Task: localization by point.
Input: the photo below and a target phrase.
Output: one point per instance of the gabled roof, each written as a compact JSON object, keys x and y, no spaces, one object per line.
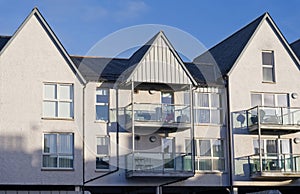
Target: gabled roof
{"x":225,"y":53}
{"x":100,"y":69}
{"x":3,"y":41}
{"x":35,"y":12}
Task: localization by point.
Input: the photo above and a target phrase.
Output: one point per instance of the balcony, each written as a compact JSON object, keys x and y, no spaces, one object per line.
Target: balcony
{"x":274,"y":166}
{"x":273,"y":119}
{"x":159,"y":116}
{"x":146,"y":164}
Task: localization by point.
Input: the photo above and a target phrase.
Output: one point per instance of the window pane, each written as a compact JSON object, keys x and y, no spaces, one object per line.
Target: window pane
{"x":50,"y":91}
{"x":102,"y":112}
{"x":188,"y":146}
{"x":205,"y":148}
{"x":205,"y":164}
{"x":267,"y":58}
{"x":50,"y":161}
{"x":282,"y":100}
{"x":50,"y":143}
{"x":216,"y":100}
{"x":256,"y":100}
{"x":203,"y":116}
{"x":103,"y":145}
{"x":271,"y":146}
{"x":65,"y":143}
{"x":65,"y":92}
{"x":256,"y":146}
{"x":218,"y":149}
{"x":49,"y":109}
{"x":203,"y":100}
{"x":66,"y":161}
{"x":101,"y":99}
{"x":216,"y":116}
{"x":269,"y":100}
{"x":285,"y":146}
{"x":167,"y":98}
{"x":268,"y":74}
{"x":102,"y":162}
{"x":219,"y":164}
{"x":65,"y":109}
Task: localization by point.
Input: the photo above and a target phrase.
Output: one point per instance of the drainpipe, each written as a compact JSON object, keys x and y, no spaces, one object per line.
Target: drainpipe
{"x":117,"y":142}
{"x":230,"y":140}
{"x":83,"y":136}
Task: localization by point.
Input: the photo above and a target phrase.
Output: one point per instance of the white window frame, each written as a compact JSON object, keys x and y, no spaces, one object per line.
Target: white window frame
{"x":107,"y":156}
{"x":210,"y":108}
{"x":57,"y":154}
{"x":57,"y":100}
{"x":101,"y":103}
{"x":198,"y":157}
{"x":268,"y":66}
{"x":275,"y":97}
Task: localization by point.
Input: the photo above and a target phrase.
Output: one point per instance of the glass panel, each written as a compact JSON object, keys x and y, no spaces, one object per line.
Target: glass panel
{"x":256,"y":146}
{"x":102,"y":112}
{"x":205,"y":164}
{"x":65,"y":144}
{"x":65,"y":92}
{"x":268,"y":74}
{"x":50,"y":91}
{"x":272,"y":146}
{"x":66,"y":161}
{"x":267,"y":58}
{"x":65,"y":109}
{"x":203,"y":100}
{"x":256,"y":100}
{"x":203,"y":116}
{"x":269,"y":100}
{"x":218,"y":149}
{"x":102,"y":162}
{"x":219,"y":164}
{"x":285,"y":146}
{"x":167,"y":97}
{"x":216,"y":100}
{"x":205,"y":148}
{"x":216,"y":116}
{"x":49,"y":109}
{"x":102,"y":145}
{"x":50,"y":161}
{"x":282,"y":100}
{"x":50,"y":143}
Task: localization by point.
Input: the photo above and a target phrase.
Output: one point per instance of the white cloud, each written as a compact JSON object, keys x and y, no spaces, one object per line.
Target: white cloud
{"x":130,"y":10}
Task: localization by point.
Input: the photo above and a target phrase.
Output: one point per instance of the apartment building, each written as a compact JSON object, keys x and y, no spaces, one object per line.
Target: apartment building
{"x":226,"y":122}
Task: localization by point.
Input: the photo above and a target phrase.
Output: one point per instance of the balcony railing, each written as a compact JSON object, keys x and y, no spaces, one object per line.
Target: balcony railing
{"x":274,"y":115}
{"x":159,"y":164}
{"x":269,"y":166}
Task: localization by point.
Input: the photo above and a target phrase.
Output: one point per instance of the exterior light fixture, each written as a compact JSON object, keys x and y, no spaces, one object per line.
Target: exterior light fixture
{"x":294,"y":95}
{"x":152,"y":139}
{"x":296,"y":140}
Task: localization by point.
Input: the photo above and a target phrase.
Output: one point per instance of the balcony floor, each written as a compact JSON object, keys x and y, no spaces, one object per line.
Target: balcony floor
{"x":159,"y":125}
{"x":149,"y":173}
{"x":275,"y":175}
{"x":279,"y":129}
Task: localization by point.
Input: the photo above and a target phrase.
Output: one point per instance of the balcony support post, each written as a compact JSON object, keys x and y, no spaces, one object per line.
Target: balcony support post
{"x":259,"y":139}
{"x":192,"y":128}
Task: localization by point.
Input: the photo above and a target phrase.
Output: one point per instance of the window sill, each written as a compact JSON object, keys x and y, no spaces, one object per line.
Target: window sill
{"x":209,"y":124}
{"x":57,"y":118}
{"x":268,"y":82}
{"x":57,"y":169}
{"x":210,"y":172}
{"x":102,"y":170}
{"x":101,"y":121}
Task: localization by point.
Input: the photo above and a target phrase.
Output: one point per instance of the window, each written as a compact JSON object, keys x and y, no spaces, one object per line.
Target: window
{"x":269,"y":99}
{"x":208,"y":108}
{"x":268,"y":66}
{"x":209,"y":154}
{"x":102,"y":100}
{"x":102,"y":159}
{"x":271,"y":147}
{"x":58,"y":100}
{"x":58,"y":150}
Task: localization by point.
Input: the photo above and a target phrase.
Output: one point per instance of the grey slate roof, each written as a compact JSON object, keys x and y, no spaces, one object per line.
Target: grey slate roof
{"x":3,"y":41}
{"x":296,"y":47}
{"x":225,"y":53}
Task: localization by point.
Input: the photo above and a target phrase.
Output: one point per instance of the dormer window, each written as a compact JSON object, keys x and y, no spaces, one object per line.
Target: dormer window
{"x":268,"y":66}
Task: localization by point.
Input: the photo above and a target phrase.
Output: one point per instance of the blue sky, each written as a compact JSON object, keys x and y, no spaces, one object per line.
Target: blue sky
{"x":79,"y":24}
